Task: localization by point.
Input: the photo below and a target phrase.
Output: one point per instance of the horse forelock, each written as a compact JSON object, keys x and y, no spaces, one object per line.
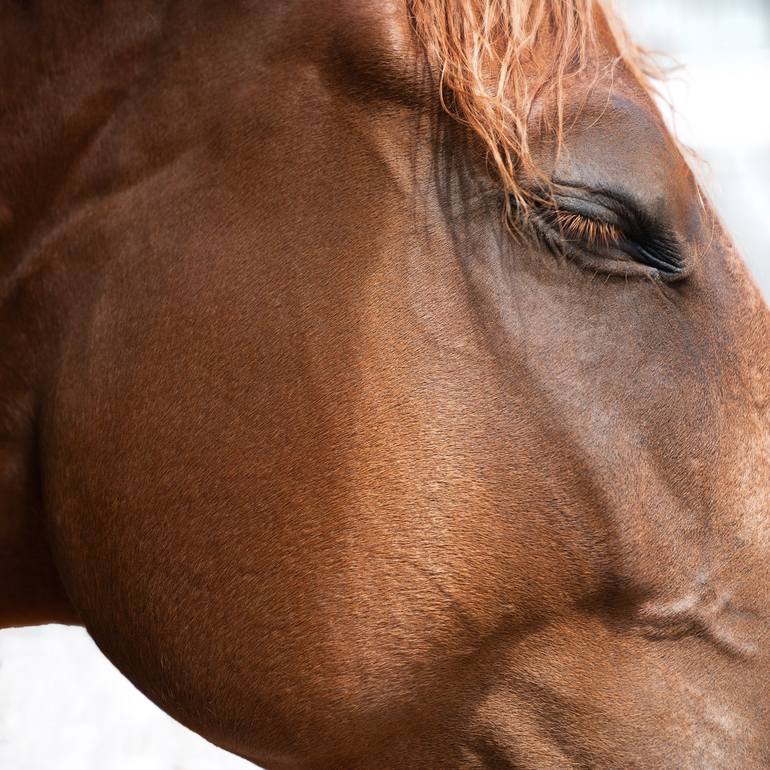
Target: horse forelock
{"x":501,"y":61}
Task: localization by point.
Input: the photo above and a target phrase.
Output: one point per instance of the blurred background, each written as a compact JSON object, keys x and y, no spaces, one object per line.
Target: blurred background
{"x":722,"y":103}
{"x":64,"y":707}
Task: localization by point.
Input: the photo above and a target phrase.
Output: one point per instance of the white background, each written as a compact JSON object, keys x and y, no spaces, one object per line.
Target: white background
{"x":64,"y":707}
{"x":722,"y":103}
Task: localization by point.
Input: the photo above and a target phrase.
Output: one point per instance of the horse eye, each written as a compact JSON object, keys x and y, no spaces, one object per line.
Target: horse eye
{"x":605,"y":230}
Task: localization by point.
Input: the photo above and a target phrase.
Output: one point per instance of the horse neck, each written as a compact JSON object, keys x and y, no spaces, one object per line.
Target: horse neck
{"x":66,"y":66}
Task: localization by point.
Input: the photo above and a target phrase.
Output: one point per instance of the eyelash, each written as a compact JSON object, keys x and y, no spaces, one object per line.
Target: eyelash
{"x":579,"y":228}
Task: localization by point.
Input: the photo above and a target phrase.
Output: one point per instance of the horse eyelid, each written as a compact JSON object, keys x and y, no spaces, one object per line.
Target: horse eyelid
{"x":626,"y":228}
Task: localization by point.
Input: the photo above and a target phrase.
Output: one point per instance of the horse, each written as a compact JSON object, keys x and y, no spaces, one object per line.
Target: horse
{"x":377,"y":386}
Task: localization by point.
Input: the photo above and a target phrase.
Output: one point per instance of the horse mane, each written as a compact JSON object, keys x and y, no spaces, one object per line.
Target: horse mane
{"x":497,"y":58}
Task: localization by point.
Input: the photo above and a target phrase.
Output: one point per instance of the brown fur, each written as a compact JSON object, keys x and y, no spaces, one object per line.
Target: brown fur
{"x":334,"y":469}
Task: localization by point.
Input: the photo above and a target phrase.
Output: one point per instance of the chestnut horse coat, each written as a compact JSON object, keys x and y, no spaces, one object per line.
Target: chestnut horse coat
{"x":338,"y":467}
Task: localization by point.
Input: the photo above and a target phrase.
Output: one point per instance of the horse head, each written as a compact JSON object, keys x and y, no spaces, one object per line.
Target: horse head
{"x":381,"y":384}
